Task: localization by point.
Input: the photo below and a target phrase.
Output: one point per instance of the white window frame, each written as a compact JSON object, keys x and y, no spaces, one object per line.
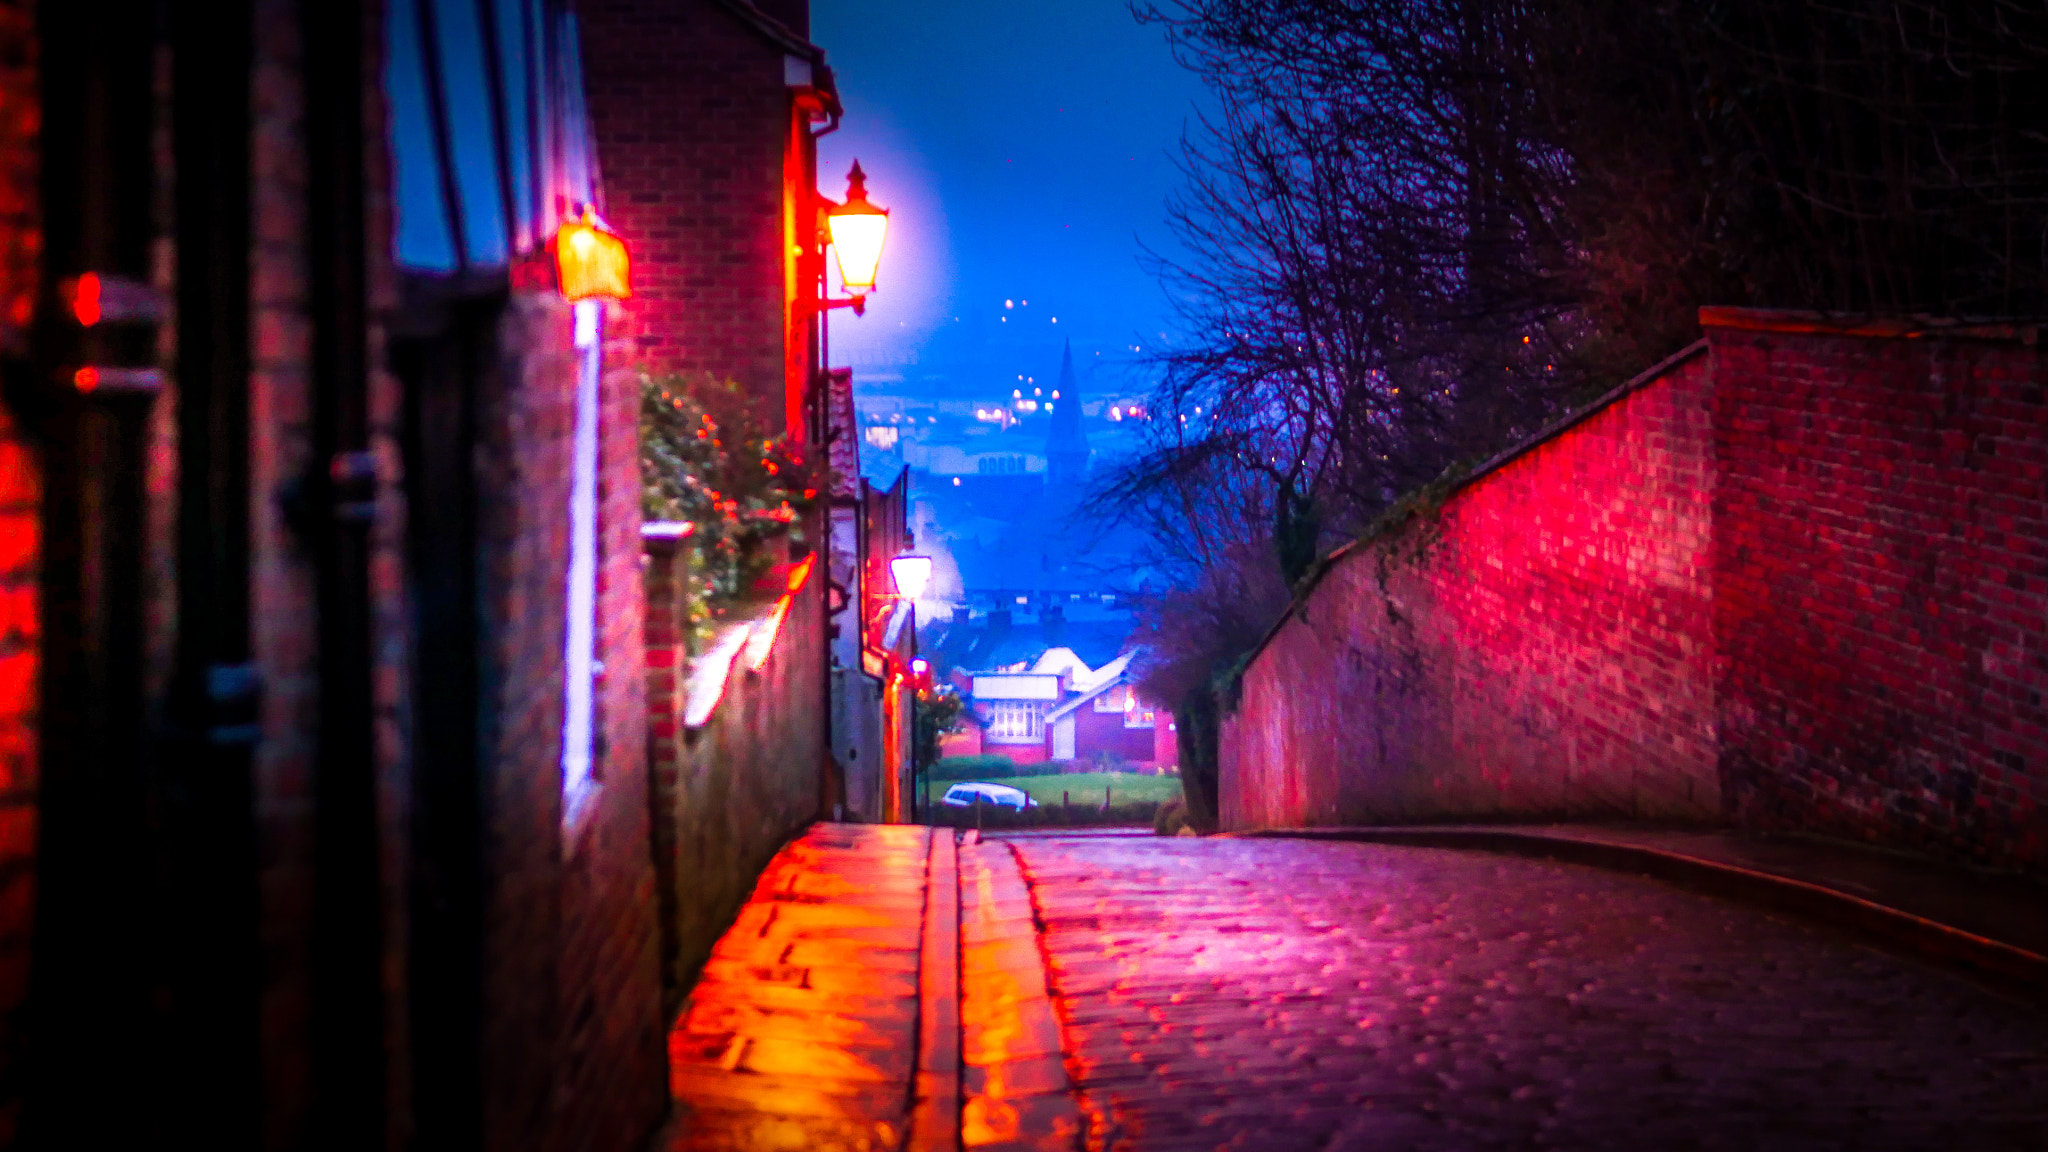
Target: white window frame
{"x":1016,"y":722}
{"x":580,"y":666}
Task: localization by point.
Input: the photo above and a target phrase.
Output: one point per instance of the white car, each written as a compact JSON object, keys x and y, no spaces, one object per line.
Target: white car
{"x":999,"y":795}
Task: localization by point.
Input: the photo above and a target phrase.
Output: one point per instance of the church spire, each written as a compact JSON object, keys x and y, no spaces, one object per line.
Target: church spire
{"x":1066,"y":448}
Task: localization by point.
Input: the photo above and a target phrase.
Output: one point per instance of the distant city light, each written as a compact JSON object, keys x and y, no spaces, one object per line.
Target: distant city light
{"x":1055,"y":393}
{"x":1009,"y":303}
{"x":1023,"y":599}
{"x":1041,"y":392}
{"x":1016,"y":393}
{"x":956,"y":481}
{"x":1055,"y":319}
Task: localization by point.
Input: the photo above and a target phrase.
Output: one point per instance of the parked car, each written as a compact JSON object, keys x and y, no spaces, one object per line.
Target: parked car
{"x":963,"y":796}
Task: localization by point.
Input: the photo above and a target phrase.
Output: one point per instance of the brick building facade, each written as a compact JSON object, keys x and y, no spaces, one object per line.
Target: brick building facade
{"x":704,"y":111}
{"x":1791,"y":578}
{"x":323,"y":792}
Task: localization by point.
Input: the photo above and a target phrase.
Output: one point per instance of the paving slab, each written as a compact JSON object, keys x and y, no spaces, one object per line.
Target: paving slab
{"x":1300,"y":994}
{"x":803,"y":1031}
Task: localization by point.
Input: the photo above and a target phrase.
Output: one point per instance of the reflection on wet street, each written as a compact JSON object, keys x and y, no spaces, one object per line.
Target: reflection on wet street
{"x":802,"y":1031}
{"x":885,"y":989}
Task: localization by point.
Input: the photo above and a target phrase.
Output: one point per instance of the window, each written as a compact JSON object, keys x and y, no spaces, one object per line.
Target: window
{"x":1013,"y":721}
{"x":1138,"y":718}
{"x":579,"y":656}
{"x":1115,"y":700}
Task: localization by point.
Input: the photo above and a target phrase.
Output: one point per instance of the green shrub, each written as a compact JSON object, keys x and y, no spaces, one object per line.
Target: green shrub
{"x":974,"y":768}
{"x":995,"y":817}
{"x":709,"y":456}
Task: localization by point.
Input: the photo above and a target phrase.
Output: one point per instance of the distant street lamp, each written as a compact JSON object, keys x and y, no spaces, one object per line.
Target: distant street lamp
{"x":856,"y":229}
{"x":911,"y":574}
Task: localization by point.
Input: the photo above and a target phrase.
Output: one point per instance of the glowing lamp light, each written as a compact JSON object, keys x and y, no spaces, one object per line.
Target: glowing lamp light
{"x":85,"y":300}
{"x":911,"y":574}
{"x":920,"y":666}
{"x":857,"y":229}
{"x":592,"y":262}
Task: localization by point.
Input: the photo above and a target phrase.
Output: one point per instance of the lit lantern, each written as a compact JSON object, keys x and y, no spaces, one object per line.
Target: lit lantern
{"x":857,"y":228}
{"x":592,"y":262}
{"x":911,"y":574}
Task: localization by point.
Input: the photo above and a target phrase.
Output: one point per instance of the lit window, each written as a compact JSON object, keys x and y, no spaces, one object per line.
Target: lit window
{"x":1015,"y":721}
{"x":1114,"y":700}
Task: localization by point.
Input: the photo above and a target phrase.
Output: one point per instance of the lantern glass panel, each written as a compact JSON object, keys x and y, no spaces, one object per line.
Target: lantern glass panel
{"x":857,"y":242}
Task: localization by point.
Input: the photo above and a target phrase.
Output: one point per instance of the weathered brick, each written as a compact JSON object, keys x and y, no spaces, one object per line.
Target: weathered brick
{"x":1796,"y":582}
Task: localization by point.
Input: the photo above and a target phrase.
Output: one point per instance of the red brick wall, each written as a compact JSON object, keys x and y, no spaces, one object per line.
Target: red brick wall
{"x":20,"y":491}
{"x":691,"y":114}
{"x":1018,"y":753}
{"x":1105,"y":732}
{"x":572,"y":1027}
{"x":1165,"y":741}
{"x":737,"y":787}
{"x":1800,"y":583}
{"x":1540,"y":647}
{"x":20,"y":547}
{"x":1882,"y":562}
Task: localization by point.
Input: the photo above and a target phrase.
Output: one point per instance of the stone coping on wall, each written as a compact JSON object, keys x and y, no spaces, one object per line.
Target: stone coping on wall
{"x":752,"y":638}
{"x":1781,"y":320}
{"x":2004,"y":330}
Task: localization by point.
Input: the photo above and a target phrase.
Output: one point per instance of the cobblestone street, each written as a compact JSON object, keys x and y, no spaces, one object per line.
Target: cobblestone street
{"x":1111,"y":992}
{"x":1295,"y":995}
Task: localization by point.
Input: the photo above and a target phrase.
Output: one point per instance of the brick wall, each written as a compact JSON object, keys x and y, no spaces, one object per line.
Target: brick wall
{"x":1494,"y":658}
{"x":572,"y":1040}
{"x":20,"y":546}
{"x":736,"y":787}
{"x":19,"y":640}
{"x":691,"y":113}
{"x":1882,"y":561}
{"x":1799,"y":582}
{"x":282,"y":583}
{"x":1105,"y":732}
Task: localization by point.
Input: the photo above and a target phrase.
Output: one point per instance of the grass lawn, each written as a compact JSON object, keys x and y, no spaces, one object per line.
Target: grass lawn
{"x":1082,"y":787}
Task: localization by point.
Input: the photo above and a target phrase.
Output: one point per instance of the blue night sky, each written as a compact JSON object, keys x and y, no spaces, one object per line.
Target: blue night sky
{"x":1026,"y":152}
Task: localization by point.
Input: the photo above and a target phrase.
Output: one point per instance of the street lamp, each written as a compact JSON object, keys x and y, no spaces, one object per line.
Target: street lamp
{"x":857,"y":229}
{"x":911,"y":574}
{"x":591,"y":261}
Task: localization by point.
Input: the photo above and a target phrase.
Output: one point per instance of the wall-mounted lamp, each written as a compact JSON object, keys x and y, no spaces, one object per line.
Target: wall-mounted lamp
{"x":911,"y":574}
{"x":592,"y":261}
{"x":857,"y":229}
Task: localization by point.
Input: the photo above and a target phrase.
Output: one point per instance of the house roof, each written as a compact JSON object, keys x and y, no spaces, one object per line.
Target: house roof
{"x":998,"y":641}
{"x":1121,"y":675}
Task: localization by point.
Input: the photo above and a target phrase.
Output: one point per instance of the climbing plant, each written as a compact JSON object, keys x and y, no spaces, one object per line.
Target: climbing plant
{"x":708,"y":457}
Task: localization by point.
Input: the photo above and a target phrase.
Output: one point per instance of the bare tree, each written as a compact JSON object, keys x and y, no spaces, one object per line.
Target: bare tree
{"x":1418,"y":228}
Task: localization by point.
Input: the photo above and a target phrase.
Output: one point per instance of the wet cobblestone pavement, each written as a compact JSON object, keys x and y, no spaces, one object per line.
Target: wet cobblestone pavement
{"x":1270,"y":994}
